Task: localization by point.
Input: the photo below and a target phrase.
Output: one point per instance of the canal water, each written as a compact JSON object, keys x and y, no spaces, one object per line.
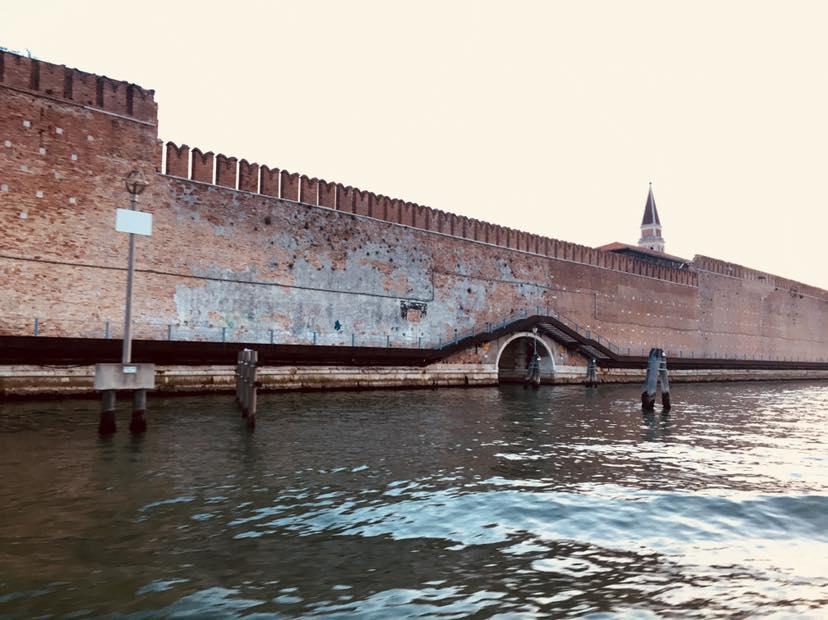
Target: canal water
{"x":453,"y":503}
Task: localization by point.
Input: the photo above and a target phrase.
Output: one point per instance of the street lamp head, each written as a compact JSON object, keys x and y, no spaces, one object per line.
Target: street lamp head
{"x":135,"y":182}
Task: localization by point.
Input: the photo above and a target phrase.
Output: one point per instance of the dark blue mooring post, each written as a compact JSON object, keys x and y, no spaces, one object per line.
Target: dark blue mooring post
{"x":37,"y":327}
{"x":271,"y":336}
{"x":419,"y":342}
{"x":353,"y":340}
{"x":106,"y":330}
{"x":314,"y":337}
{"x":169,"y":331}
{"x":387,"y":340}
{"x":224,"y":334}
{"x":455,"y":335}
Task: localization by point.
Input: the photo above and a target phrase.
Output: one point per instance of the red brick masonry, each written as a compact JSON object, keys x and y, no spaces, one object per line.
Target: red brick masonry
{"x":252,"y":247}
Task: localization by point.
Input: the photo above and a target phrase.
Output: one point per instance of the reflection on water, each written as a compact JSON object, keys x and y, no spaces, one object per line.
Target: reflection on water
{"x":480,"y":502}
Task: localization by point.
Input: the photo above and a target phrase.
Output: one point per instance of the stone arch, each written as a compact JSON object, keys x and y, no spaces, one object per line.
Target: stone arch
{"x":513,"y":374}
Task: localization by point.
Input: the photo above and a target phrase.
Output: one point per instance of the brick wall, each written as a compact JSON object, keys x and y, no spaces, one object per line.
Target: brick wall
{"x":227,"y":252}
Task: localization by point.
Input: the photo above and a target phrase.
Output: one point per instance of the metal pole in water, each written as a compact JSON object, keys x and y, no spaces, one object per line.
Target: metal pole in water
{"x":245,"y":380}
{"x":135,"y":183}
{"x":251,"y":400}
{"x":533,"y":376}
{"x":126,"y":353}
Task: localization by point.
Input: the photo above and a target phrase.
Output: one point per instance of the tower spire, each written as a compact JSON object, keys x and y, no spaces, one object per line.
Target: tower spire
{"x":651,"y":225}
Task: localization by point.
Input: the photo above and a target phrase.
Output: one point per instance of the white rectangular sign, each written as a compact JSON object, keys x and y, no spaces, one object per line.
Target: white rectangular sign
{"x":136,"y":222}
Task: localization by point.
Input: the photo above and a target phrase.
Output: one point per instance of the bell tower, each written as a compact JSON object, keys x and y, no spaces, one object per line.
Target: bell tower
{"x":651,"y":226}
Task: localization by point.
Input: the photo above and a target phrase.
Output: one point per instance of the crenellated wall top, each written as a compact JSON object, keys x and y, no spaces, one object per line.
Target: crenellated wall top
{"x":87,"y":89}
{"x":724,"y":268}
{"x":238,"y":174}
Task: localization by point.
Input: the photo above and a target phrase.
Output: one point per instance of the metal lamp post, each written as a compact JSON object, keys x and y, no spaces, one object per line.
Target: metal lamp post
{"x":136,"y":378}
{"x":534,"y":342}
{"x":534,"y":368}
{"x":135,"y":184}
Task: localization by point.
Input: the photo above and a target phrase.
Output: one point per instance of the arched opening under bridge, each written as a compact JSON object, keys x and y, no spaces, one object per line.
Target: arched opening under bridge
{"x":515,"y":356}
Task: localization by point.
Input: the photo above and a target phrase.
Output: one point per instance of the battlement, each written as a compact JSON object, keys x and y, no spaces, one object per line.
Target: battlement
{"x":62,"y":82}
{"x":223,"y":171}
{"x":720,"y":267}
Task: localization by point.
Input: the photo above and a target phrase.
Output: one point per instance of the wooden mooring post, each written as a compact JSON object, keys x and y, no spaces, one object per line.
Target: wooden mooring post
{"x":656,"y":370}
{"x":665,"y":383}
{"x":592,"y":373}
{"x":246,"y":384}
{"x":533,"y":373}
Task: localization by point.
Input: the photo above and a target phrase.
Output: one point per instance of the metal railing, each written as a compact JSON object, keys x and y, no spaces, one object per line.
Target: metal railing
{"x":255,"y":333}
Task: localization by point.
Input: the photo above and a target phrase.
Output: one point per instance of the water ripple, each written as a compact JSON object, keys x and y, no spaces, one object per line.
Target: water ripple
{"x":505,"y":503}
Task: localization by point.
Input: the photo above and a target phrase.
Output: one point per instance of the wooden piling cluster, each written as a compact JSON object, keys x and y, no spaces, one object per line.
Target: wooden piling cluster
{"x":246,"y":384}
{"x":656,"y":371}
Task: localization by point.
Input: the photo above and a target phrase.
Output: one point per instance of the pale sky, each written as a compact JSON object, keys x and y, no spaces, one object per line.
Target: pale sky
{"x":549,"y":117}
